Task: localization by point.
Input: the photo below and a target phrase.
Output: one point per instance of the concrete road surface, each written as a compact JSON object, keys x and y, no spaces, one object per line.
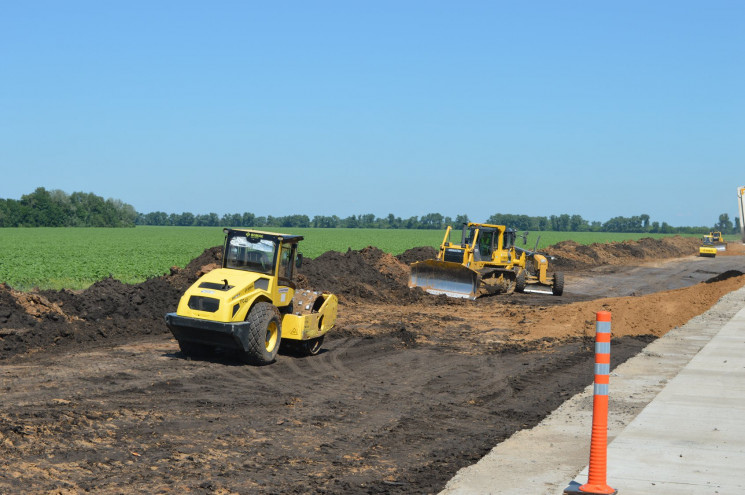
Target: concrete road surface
{"x":676,"y":422}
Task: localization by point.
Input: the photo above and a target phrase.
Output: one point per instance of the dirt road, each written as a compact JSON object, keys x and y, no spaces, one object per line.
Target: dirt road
{"x":403,"y":395}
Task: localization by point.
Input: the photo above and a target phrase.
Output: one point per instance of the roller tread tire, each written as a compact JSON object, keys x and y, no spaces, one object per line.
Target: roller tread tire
{"x":259,"y":319}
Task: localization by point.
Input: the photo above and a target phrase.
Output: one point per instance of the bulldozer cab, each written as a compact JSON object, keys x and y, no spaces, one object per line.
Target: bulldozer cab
{"x":485,"y":246}
{"x":493,"y":243}
{"x":484,"y":241}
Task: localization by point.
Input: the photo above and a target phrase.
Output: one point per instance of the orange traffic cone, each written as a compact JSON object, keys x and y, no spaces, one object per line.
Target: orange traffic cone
{"x":596,"y":483}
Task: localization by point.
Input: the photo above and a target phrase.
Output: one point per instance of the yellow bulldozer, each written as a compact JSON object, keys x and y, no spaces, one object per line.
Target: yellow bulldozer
{"x":251,"y":304}
{"x":718,"y":241}
{"x":486,"y":261}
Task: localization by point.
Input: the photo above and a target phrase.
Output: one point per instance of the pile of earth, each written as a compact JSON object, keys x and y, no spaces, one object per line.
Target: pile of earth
{"x":106,"y":310}
{"x":569,"y":254}
{"x":110,"y":309}
{"x":417,"y":254}
{"x":369,"y":274}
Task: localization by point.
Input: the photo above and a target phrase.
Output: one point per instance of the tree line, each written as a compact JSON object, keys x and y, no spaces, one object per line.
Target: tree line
{"x":365,"y":221}
{"x":638,"y":224}
{"x":56,"y":208}
{"x":562,"y":223}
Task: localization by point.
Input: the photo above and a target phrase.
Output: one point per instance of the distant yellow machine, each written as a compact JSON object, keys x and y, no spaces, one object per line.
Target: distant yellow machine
{"x":251,"y":304}
{"x":718,"y":240}
{"x":707,"y":248}
{"x":486,"y":261}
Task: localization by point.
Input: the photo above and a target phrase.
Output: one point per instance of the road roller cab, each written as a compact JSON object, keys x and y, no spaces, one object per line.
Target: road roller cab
{"x":251,"y":304}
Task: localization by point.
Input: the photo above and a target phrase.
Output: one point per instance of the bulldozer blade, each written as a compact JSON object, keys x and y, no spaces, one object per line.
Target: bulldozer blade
{"x":444,"y":277}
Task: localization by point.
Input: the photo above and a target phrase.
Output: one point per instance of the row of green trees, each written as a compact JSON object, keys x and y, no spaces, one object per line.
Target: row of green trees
{"x":638,"y":223}
{"x":561,"y":223}
{"x":56,"y":208}
{"x":368,"y":221}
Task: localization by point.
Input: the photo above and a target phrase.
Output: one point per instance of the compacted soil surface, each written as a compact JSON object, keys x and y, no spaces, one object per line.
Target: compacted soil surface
{"x":409,"y":387}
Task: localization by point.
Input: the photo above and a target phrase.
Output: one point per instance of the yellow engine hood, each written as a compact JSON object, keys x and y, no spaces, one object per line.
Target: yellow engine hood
{"x":212,"y":298}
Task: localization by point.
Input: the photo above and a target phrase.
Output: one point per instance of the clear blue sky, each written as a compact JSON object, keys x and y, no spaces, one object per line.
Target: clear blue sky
{"x":407,"y":107}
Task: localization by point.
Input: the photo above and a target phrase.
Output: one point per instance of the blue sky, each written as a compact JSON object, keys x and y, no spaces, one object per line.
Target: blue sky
{"x":409,"y":107}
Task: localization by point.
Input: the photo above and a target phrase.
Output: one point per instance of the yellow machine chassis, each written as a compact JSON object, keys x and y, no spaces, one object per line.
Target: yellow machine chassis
{"x":305,"y":325}
{"x":707,"y":251}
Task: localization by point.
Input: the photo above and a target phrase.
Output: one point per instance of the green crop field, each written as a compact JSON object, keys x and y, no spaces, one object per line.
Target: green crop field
{"x":74,"y":258}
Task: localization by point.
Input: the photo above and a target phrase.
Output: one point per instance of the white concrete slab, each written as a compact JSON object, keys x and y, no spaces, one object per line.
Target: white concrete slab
{"x":676,"y":423}
{"x":691,"y":437}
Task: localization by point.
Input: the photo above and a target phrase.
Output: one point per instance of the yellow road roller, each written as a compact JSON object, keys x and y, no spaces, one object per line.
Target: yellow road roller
{"x":251,"y":305}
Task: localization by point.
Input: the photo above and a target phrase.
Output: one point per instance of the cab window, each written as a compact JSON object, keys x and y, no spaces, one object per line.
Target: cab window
{"x":285,"y":262}
{"x":255,"y":255}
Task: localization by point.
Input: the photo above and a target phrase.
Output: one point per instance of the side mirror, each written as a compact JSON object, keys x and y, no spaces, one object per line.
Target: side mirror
{"x":524,"y":235}
{"x":299,"y":260}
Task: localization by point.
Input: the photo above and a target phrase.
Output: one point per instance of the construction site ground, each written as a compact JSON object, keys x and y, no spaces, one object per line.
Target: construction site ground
{"x":409,"y":387}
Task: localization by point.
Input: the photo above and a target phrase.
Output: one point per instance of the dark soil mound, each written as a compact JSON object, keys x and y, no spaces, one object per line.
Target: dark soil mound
{"x":724,"y":276}
{"x":571,"y":255}
{"x":209,"y":259}
{"x":12,"y":314}
{"x":106,"y":310}
{"x":417,"y":254}
{"x":369,"y":274}
{"x":28,"y":321}
{"x":109,"y":298}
